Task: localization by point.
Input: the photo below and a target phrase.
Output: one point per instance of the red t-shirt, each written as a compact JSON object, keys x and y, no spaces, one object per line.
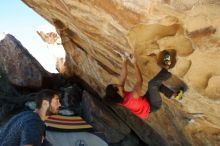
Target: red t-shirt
{"x":139,"y":106}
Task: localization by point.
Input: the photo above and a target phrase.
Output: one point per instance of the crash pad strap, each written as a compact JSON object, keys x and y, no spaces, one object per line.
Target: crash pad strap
{"x":67,"y":123}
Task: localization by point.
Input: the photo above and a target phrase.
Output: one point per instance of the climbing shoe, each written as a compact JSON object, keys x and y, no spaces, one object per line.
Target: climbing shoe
{"x":179,"y":95}
{"x":167,"y":59}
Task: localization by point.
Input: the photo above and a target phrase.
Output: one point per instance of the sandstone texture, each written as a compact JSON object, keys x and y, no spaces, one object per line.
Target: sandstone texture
{"x":93,"y":31}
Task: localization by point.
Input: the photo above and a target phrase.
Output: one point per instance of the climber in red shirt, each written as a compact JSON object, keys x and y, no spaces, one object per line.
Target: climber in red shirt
{"x":139,"y":105}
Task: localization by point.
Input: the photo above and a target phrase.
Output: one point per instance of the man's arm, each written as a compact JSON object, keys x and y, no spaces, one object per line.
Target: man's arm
{"x":124,"y":72}
{"x":138,"y":85}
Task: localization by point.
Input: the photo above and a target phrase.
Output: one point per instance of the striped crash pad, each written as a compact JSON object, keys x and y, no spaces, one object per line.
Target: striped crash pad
{"x":67,"y":123}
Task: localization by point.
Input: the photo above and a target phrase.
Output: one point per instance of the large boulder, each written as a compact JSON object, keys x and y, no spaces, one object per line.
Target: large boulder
{"x":10,"y":99}
{"x":21,"y":67}
{"x":103,"y":119}
{"x":93,"y":31}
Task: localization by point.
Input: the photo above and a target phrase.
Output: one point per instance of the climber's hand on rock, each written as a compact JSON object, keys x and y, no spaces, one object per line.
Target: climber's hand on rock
{"x":132,"y":58}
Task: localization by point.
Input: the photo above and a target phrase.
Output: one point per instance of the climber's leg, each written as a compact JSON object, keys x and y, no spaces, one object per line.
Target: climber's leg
{"x":153,"y":92}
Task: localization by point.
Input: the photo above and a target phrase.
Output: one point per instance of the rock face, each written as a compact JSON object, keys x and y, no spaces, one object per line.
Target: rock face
{"x":104,"y":119}
{"x":117,"y":127}
{"x":21,"y":68}
{"x":8,"y":93}
{"x":91,"y":32}
{"x":18,"y":68}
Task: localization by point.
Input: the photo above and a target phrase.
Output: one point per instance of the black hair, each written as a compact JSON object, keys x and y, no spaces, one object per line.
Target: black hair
{"x":111,"y":95}
{"x":46,"y":94}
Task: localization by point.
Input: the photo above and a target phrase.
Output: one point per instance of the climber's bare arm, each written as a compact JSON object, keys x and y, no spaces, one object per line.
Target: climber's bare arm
{"x":138,"y":85}
{"x":124,"y":72}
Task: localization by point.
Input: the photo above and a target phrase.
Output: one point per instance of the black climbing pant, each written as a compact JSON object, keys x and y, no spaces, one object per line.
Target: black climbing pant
{"x":153,"y":92}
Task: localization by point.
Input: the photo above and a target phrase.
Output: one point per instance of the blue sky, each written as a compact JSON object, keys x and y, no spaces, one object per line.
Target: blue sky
{"x":22,"y":22}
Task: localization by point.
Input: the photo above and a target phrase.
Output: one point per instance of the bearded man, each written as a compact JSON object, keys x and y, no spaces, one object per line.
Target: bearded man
{"x":27,"y":128}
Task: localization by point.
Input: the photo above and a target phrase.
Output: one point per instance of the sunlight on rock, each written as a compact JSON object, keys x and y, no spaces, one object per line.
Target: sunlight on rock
{"x":92,"y":32}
